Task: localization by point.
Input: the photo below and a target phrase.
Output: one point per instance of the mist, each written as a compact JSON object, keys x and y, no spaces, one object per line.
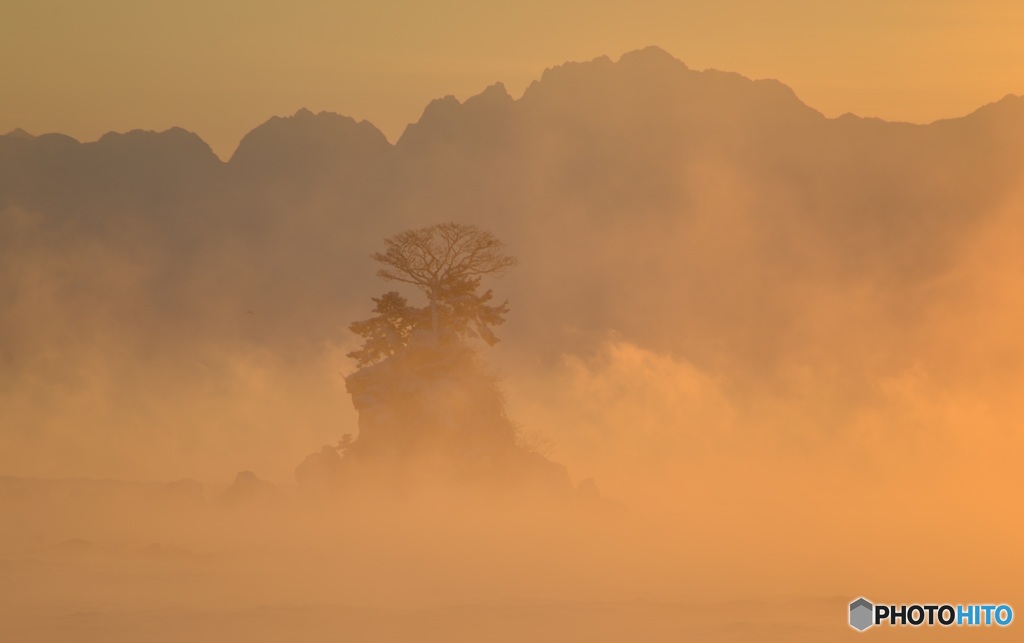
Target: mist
{"x":760,"y":361}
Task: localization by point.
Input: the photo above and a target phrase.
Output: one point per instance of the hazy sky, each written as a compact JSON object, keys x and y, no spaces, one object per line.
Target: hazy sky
{"x":221,"y":67}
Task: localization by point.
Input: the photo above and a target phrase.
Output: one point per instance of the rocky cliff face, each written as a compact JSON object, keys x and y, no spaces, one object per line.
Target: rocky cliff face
{"x":431,"y":397}
{"x":433,"y":410}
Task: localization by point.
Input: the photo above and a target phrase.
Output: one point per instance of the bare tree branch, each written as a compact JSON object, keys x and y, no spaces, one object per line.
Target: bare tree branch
{"x":435,"y":258}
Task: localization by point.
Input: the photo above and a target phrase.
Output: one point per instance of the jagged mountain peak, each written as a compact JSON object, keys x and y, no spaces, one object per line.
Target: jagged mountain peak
{"x":17,"y":132}
{"x":1010,"y":105}
{"x":494,"y":94}
{"x":305,"y":120}
{"x":144,"y":141}
{"x":652,"y":56}
{"x":305,"y":139}
{"x":480,"y":116}
{"x":653,"y":76}
{"x":440,"y":107}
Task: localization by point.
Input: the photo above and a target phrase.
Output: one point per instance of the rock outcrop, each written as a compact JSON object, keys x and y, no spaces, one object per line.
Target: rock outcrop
{"x":432,"y":414}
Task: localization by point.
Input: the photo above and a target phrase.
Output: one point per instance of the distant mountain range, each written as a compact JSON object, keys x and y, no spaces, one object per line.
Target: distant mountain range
{"x":697,"y":212}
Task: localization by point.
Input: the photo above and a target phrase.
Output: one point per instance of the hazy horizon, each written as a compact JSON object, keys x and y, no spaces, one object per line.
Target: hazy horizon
{"x":393,"y":129}
{"x":756,"y":360}
{"x":220,"y":71}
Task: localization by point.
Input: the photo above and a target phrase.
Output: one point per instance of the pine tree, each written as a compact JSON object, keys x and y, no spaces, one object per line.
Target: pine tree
{"x":388,"y":332}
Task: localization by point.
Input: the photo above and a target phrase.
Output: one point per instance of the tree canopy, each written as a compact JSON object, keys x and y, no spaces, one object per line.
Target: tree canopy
{"x":447,"y":262}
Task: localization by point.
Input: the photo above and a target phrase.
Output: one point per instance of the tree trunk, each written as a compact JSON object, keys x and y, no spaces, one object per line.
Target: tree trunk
{"x":433,"y":311}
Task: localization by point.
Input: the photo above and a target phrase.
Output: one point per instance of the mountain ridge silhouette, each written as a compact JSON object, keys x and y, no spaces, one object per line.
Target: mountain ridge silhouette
{"x":600,"y":69}
{"x":606,"y":178}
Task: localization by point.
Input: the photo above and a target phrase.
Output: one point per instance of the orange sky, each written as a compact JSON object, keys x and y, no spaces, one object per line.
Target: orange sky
{"x":221,"y":67}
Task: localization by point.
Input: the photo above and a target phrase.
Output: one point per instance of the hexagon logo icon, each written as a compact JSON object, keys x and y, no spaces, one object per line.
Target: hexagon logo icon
{"x":862,"y":614}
